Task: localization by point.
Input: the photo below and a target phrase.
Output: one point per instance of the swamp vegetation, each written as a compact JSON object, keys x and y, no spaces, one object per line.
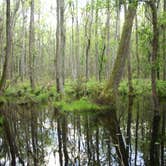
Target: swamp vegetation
{"x":83,"y":82}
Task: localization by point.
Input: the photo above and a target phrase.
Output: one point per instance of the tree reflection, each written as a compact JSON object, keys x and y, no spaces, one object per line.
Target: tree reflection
{"x":33,"y":135}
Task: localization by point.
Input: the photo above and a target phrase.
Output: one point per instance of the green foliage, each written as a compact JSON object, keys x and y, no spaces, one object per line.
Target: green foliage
{"x":143,"y":87}
{"x":81,"y":88}
{"x":78,"y":91}
{"x":3,"y":100}
{"x":94,"y":88}
{"x":162,"y":19}
{"x":161,"y":88}
{"x":23,"y":94}
{"x":82,"y":104}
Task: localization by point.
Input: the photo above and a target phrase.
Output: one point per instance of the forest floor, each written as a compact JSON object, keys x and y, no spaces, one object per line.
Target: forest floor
{"x":78,"y":95}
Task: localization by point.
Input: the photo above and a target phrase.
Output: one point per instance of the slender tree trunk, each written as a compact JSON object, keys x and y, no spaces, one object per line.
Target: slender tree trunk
{"x":163,"y":135}
{"x":130,"y":86}
{"x":108,"y":40}
{"x":57,"y":60}
{"x":154,"y":149}
{"x":164,"y":44}
{"x":31,"y":47}
{"x":60,"y":47}
{"x":163,"y":108}
{"x":8,"y":47}
{"x":73,"y":55}
{"x":22,"y":63}
{"x":88,"y":41}
{"x":117,"y":34}
{"x":63,"y":40}
{"x":96,"y":42}
{"x":138,"y":75}
{"x":136,"y":43}
{"x":77,"y":49}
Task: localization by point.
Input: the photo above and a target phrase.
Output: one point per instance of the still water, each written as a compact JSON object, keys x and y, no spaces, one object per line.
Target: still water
{"x":41,"y":135}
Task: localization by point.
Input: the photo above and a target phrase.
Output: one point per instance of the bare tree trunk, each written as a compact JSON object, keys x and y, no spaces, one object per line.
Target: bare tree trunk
{"x":96,"y":42}
{"x":137,"y":55}
{"x":22,"y":63}
{"x":108,"y":68}
{"x":8,"y":47}
{"x":31,"y":47}
{"x":63,"y":39}
{"x":154,"y":149}
{"x":77,"y":50}
{"x":164,"y":49}
{"x":73,"y":55}
{"x":117,"y":34}
{"x":164,"y":78}
{"x":88,"y":41}
{"x":138,"y":75}
{"x":60,"y":47}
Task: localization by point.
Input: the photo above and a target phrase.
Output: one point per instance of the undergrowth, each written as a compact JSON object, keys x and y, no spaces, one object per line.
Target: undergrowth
{"x":78,"y":94}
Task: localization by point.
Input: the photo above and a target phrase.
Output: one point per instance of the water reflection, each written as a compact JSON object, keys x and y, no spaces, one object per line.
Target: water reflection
{"x":31,"y":135}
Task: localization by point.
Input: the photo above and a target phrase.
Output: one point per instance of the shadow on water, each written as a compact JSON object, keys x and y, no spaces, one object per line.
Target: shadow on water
{"x":33,"y":135}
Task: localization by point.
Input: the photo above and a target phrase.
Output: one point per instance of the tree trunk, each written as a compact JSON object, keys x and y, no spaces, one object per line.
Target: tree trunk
{"x":136,"y":43}
{"x":31,"y":47}
{"x":96,"y":42}
{"x":60,"y":47}
{"x":88,"y":41}
{"x":164,"y":44}
{"x":117,"y":34}
{"x":22,"y":63}
{"x":154,"y":149}
{"x":108,"y":41}
{"x":123,"y":50}
{"x":8,"y":47}
{"x":77,"y":50}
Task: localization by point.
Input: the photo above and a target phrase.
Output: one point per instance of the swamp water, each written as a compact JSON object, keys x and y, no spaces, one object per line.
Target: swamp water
{"x":41,"y":135}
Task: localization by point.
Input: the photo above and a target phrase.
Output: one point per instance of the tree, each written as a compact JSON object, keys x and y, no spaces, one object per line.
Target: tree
{"x":164,"y":43}
{"x":154,"y":151}
{"x":123,"y":50}
{"x":31,"y":46}
{"x":60,"y":47}
{"x":8,"y":47}
{"x":88,"y":33}
{"x":22,"y":61}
